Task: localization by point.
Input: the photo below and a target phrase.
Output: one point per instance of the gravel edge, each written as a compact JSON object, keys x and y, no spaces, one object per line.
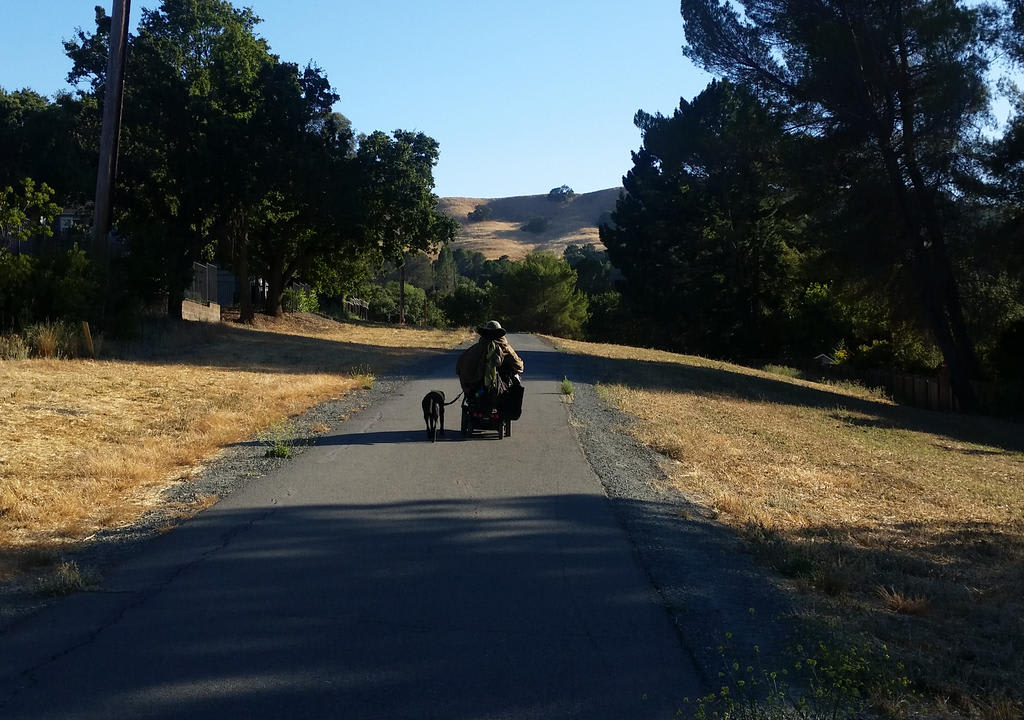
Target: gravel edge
{"x":708,"y":581}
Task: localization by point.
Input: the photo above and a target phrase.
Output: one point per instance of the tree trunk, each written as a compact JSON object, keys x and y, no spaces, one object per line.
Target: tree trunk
{"x":275,"y":289}
{"x":945,"y":318}
{"x":246,"y":311}
{"x":937,"y":282}
{"x":175,"y":296}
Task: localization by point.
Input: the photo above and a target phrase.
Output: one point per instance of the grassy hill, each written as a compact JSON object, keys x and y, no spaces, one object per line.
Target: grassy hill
{"x":573,"y":222}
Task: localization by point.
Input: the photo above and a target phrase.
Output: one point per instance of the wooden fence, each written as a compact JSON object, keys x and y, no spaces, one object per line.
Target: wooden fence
{"x":933,"y":392}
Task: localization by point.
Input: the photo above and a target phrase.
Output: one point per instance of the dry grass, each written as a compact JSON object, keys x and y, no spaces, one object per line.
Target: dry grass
{"x":568,"y":223}
{"x":92,"y":444}
{"x":904,"y":523}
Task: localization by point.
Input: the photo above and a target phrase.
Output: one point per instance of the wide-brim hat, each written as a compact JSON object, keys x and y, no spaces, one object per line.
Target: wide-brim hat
{"x":491,"y":329}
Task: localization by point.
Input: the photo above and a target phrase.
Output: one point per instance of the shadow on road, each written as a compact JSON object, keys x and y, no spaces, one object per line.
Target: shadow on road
{"x":523,"y":607}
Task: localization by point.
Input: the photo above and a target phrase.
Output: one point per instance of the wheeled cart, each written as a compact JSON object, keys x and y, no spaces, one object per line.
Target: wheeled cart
{"x":483,"y":411}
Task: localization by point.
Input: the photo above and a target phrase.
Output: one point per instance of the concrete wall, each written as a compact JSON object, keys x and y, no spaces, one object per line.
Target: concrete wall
{"x":197,"y":311}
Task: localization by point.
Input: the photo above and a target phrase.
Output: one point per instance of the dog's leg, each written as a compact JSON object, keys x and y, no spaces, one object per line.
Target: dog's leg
{"x":426,"y":413}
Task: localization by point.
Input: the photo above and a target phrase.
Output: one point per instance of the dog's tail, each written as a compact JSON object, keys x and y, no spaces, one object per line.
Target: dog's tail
{"x":454,"y":399}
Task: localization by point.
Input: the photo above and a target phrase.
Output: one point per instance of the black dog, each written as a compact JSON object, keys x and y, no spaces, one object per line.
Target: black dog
{"x":433,"y":413}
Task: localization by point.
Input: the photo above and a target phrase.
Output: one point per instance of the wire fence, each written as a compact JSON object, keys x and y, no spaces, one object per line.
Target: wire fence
{"x":204,"y":284}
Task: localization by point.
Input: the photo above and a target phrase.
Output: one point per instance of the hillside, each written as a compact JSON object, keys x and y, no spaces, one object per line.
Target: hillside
{"x":573,"y":222}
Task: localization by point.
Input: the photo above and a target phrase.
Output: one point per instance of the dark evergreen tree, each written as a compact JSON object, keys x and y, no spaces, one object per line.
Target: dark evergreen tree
{"x":894,"y":90}
{"x":700,"y":232}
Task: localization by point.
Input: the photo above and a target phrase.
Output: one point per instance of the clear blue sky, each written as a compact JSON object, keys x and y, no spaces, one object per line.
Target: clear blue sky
{"x":523,"y":96}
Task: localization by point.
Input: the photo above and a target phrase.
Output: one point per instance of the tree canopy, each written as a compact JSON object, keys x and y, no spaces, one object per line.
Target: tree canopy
{"x":701,"y":233}
{"x":230,"y":153}
{"x":885,"y":92}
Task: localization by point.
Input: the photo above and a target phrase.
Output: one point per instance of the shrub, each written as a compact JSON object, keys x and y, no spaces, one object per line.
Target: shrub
{"x":65,"y":284}
{"x":54,"y":339}
{"x":12,"y":347}
{"x":535,"y":225}
{"x":480,"y":212}
{"x":783,"y":370}
{"x":383,"y":305}
{"x":43,"y":339}
{"x":16,"y":296}
{"x":419,"y":310}
{"x":1008,"y":355}
{"x":68,"y":284}
{"x":468,"y":306}
{"x":563,"y":193}
{"x":297,"y":299}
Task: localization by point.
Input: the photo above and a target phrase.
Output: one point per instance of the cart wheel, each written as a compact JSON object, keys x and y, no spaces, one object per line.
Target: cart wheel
{"x":508,"y":428}
{"x":467,"y":425}
{"x":501,"y":430}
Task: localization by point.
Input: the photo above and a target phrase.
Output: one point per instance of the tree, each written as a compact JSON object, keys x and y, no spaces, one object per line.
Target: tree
{"x":445,"y":271}
{"x":593,"y":269}
{"x":563,"y":193}
{"x":194,"y":65}
{"x":890,"y":90}
{"x":469,"y":263}
{"x":304,"y":152}
{"x":468,"y":306}
{"x":41,"y":140}
{"x":539,"y":294}
{"x":480,"y":213}
{"x":396,"y":195}
{"x":228,"y":152}
{"x":702,"y":232}
{"x":26,"y":213}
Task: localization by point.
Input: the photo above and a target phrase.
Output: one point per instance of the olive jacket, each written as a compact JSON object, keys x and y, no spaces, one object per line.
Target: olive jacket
{"x":472,"y":362}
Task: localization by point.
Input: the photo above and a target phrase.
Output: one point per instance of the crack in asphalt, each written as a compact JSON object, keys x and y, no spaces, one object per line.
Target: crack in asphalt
{"x":141,"y":598}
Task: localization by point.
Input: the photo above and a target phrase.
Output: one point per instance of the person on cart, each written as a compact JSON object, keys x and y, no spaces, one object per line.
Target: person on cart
{"x":486,"y":367}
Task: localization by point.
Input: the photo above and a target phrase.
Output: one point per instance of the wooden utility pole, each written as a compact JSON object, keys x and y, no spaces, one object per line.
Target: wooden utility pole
{"x":110,"y":134}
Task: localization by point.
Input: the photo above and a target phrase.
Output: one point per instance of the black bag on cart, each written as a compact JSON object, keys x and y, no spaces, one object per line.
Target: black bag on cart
{"x":510,"y":403}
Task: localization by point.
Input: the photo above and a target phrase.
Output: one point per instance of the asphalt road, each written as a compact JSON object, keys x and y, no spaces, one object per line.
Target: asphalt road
{"x":377,"y":575}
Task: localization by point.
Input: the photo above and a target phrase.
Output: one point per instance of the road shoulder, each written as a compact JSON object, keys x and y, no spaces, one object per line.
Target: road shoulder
{"x":709,"y":583}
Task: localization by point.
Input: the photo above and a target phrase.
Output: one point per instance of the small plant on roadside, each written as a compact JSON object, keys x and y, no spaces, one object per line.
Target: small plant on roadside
{"x":65,"y":579}
{"x":567,"y":388}
{"x":279,"y":440}
{"x":363,"y":373}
